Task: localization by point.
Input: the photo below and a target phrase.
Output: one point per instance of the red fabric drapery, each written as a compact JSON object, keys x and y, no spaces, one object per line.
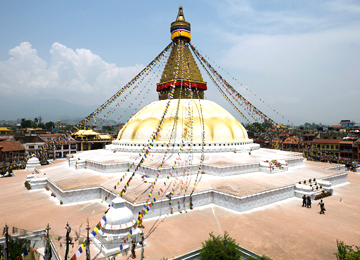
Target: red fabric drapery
{"x":193,"y":84}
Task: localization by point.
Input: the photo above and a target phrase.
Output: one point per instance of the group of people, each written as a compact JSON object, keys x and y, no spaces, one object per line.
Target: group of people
{"x":307,"y":203}
{"x":133,"y":246}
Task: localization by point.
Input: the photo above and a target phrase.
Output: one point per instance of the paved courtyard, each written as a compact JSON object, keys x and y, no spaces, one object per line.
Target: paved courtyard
{"x":283,"y":230}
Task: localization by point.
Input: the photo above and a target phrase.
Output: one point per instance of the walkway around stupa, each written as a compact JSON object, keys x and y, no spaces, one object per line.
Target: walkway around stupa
{"x":282,"y":230}
{"x":240,"y":192}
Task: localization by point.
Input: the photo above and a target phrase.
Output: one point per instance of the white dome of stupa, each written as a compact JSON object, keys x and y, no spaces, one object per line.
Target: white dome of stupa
{"x":221,"y":128}
{"x":119,"y":215}
{"x":32,"y":163}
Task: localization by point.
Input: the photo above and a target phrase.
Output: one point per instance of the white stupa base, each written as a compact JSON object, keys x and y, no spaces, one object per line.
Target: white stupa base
{"x":245,"y":146}
{"x":32,"y":163}
{"x":119,"y":222}
{"x":110,"y":244}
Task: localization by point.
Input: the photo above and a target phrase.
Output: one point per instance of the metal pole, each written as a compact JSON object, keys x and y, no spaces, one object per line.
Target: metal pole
{"x":47,"y":243}
{"x":68,"y":230}
{"x":142,"y":246}
{"x":6,"y":248}
{"x":88,"y":243}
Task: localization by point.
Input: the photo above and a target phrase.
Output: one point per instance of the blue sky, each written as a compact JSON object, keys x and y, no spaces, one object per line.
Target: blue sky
{"x":301,"y":57}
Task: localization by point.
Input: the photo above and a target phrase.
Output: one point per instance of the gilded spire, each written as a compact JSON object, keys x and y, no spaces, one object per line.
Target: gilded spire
{"x":180,"y":16}
{"x":180,"y":28}
{"x":188,"y":79}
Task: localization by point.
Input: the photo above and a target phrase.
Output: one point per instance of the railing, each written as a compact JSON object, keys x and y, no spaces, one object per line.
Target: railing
{"x":195,"y":255}
{"x":346,"y":150}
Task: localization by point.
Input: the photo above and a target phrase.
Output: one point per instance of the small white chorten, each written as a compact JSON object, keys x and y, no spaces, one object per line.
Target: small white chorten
{"x":119,"y":221}
{"x":32,"y":163}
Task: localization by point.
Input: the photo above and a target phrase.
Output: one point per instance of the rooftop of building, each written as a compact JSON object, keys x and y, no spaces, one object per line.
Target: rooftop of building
{"x":3,"y":129}
{"x":292,"y":140}
{"x":326,"y":141}
{"x":336,"y":126}
{"x":309,"y":134}
{"x":346,"y":142}
{"x":50,"y":135}
{"x":11,"y":146}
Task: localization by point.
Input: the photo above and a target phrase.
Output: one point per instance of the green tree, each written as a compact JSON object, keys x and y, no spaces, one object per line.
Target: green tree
{"x":27,"y":123}
{"x":41,"y":125}
{"x":49,"y":125}
{"x":68,"y":127}
{"x":220,"y":248}
{"x":258,"y":127}
{"x":17,"y":247}
{"x":346,"y":252}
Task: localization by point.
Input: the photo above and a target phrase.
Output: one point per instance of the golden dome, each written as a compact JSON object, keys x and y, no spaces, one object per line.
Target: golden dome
{"x":220,"y":126}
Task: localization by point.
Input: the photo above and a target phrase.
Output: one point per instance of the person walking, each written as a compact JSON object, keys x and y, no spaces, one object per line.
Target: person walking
{"x":140,"y":221}
{"x":308,"y":202}
{"x":322,"y":207}
{"x":133,"y":255}
{"x":304,"y":201}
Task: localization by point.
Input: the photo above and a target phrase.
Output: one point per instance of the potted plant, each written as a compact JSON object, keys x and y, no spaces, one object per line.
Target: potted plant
{"x":27,"y":185}
{"x":310,"y":180}
{"x":304,"y":181}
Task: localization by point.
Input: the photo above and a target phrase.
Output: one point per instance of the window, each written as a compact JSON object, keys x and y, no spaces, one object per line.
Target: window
{"x":327,"y":146}
{"x":337,"y":147}
{"x":31,"y":147}
{"x":332,"y":146}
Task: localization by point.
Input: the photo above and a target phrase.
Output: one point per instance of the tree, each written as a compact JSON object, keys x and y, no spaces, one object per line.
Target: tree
{"x":27,"y":123}
{"x":220,"y":248}
{"x":49,"y":125}
{"x":41,"y":125}
{"x":346,"y":252}
{"x":258,"y":127}
{"x":18,"y":247}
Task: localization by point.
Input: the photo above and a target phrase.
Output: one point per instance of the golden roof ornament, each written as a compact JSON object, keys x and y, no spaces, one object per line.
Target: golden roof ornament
{"x":180,"y":28}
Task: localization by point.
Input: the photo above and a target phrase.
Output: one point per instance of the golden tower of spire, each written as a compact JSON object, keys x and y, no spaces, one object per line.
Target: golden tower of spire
{"x":188,"y":73}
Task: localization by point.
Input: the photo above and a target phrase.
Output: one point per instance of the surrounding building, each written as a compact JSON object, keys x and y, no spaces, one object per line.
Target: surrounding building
{"x":30,"y":141}
{"x":91,"y":140}
{"x":60,"y":125}
{"x":63,"y":149}
{"x":10,"y":152}
{"x":4,"y":132}
{"x":328,"y":145}
{"x":292,"y":143}
{"x":346,"y":150}
{"x":356,"y":150}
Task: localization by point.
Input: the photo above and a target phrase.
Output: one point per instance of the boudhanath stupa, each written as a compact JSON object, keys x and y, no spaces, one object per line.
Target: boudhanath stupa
{"x":180,"y":153}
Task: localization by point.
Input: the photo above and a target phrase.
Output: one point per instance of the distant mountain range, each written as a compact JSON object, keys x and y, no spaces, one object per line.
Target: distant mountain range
{"x":12,"y":110}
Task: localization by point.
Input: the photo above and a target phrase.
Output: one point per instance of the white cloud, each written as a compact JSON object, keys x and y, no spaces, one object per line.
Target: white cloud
{"x":344,"y":6}
{"x":76,"y":76}
{"x":301,"y":74}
